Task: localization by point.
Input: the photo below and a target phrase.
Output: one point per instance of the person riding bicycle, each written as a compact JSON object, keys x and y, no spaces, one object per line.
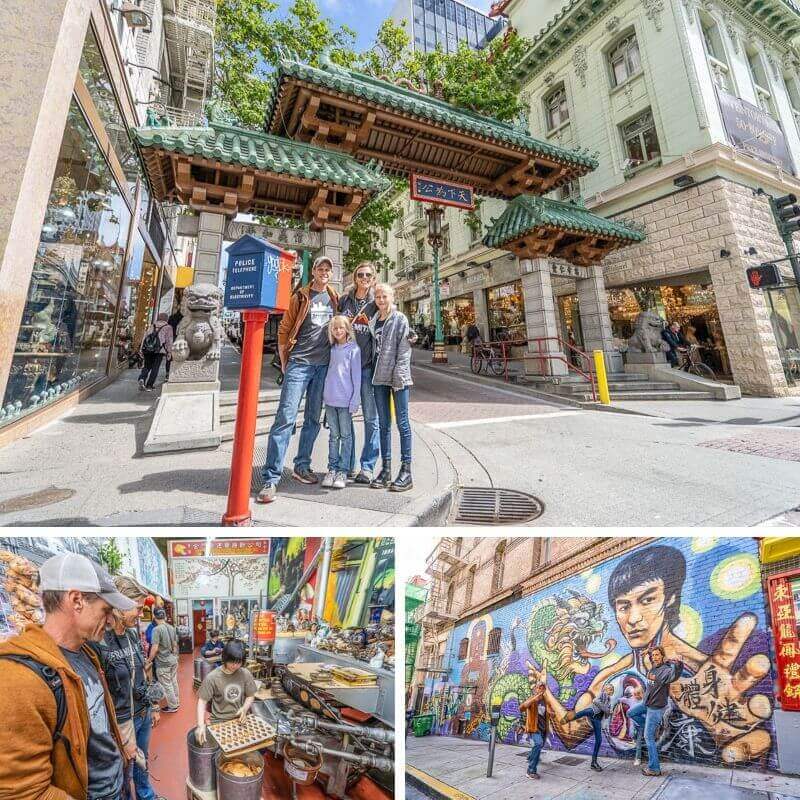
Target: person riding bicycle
{"x":675,"y":342}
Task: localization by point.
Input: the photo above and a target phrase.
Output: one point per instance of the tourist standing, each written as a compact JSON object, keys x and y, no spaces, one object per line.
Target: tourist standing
{"x":391,"y":378}
{"x":156,"y":344}
{"x":536,"y":727}
{"x":164,"y":654}
{"x":599,"y":708}
{"x":359,"y":305}
{"x":304,"y":352}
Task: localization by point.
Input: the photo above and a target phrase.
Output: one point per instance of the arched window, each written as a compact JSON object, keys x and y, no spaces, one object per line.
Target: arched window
{"x":624,"y":59}
{"x":555,"y":108}
{"x":493,"y":647}
{"x":451,"y":590}
{"x":499,"y":562}
{"x":470,"y":586}
{"x":463,"y":649}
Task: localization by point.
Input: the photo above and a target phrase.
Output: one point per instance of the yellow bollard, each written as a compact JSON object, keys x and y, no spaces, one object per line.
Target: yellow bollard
{"x":602,"y":379}
{"x":391,"y":406}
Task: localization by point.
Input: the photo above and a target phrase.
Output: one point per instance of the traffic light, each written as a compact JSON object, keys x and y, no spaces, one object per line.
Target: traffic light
{"x":786,"y":213}
{"x":764,"y":276}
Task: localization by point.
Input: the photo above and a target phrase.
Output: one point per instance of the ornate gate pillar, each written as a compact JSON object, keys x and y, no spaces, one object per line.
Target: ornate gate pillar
{"x":210,"y":238}
{"x":595,"y":319}
{"x":540,"y":319}
{"x":334,"y":245}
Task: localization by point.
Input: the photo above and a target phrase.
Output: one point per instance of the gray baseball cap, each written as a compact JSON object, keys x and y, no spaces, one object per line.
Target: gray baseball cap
{"x":73,"y":572}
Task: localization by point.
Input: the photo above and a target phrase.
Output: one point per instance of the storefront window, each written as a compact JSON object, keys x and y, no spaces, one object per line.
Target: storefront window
{"x":457,"y":312}
{"x":136,"y":302}
{"x":65,"y":332}
{"x":785,"y":318}
{"x":506,"y":310}
{"x":419,"y":313}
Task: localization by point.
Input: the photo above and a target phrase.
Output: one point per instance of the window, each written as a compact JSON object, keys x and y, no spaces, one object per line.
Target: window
{"x":493,"y":645}
{"x":760,"y":82}
{"x":715,"y":51}
{"x":420,"y":249}
{"x":499,"y":563}
{"x":463,"y":649}
{"x":445,"y":241}
{"x":451,"y":590}
{"x":792,"y":82}
{"x":569,"y":191}
{"x":469,"y":587}
{"x":624,"y":60}
{"x":555,"y":108}
{"x":640,"y":140}
{"x":401,"y":260}
{"x":475,"y":231}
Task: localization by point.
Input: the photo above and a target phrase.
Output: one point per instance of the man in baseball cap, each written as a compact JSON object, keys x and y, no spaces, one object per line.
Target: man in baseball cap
{"x":49,"y":668}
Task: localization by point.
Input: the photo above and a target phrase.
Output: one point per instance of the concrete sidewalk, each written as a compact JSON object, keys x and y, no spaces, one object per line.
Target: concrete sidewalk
{"x":87,"y":468}
{"x":455,"y":769}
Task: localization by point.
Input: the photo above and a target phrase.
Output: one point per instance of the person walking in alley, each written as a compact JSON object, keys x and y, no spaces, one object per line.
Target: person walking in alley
{"x":536,"y":727}
{"x":341,"y":395}
{"x":359,"y":305}
{"x":156,"y":344}
{"x":59,"y":738}
{"x":600,"y":707}
{"x":164,"y":654}
{"x":648,"y":714}
{"x":391,"y":378}
{"x":304,"y":352}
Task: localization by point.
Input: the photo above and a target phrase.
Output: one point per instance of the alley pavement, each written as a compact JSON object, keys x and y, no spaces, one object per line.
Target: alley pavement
{"x":450,"y":768}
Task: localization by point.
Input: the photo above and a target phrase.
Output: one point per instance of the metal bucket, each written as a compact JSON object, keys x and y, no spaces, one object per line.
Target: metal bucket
{"x":231,"y":787}
{"x":197,"y":663}
{"x":300,"y":766}
{"x":202,"y":770}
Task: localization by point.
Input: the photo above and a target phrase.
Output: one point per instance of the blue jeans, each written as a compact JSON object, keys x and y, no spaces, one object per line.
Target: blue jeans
{"x":382,"y":394}
{"x":647,"y":721}
{"x":340,"y":444}
{"x":141,"y":780}
{"x":537,"y":743}
{"x":298,"y":380}
{"x":595,"y":720}
{"x":372,"y":438}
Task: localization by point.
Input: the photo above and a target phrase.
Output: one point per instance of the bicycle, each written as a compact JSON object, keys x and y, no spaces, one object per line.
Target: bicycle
{"x":691,"y":362}
{"x":495,"y":363}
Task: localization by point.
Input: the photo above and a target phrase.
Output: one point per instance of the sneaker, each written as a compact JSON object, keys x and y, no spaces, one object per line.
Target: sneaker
{"x":328,"y":480}
{"x":650,"y":773}
{"x":637,"y":761}
{"x":169,"y":710}
{"x":141,"y":384}
{"x":148,"y":388}
{"x":304,"y":475}
{"x":341,"y":480}
{"x":595,"y":766}
{"x":363,"y":478}
{"x":266,"y":495}
{"x":533,"y":775}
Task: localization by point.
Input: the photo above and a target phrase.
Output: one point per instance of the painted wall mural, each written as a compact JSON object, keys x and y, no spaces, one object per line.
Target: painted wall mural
{"x":701,"y":599}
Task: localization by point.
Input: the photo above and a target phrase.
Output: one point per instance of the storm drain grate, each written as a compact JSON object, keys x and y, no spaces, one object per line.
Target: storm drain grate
{"x":44,"y":497}
{"x":569,"y":761}
{"x":491,"y":506}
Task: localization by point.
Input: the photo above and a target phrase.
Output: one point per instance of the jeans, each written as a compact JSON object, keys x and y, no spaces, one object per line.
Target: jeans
{"x":340,"y":444}
{"x":537,"y":743}
{"x":382,"y":394}
{"x":149,"y":373}
{"x":168,"y":678}
{"x":595,"y":720}
{"x":372,"y":438}
{"x":141,"y":779}
{"x":298,"y":380}
{"x":647,"y":721}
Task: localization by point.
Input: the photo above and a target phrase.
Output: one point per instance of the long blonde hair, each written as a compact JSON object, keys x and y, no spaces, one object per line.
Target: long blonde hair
{"x":341,"y":319}
{"x":389,"y":289}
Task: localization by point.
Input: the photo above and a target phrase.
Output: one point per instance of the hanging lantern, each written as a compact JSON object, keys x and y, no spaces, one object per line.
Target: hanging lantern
{"x":149,"y":601}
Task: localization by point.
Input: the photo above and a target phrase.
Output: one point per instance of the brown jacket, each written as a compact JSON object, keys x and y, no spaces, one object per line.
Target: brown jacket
{"x":531,"y":709}
{"x":293,"y":318}
{"x":31,"y":768}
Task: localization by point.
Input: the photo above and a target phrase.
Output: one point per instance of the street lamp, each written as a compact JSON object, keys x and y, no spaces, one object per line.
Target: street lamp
{"x":435,"y":213}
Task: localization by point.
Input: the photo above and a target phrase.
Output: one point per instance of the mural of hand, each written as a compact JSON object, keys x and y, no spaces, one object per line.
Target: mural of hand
{"x":715,"y":696}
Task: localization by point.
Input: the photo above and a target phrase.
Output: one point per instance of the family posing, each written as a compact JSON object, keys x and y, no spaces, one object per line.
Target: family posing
{"x":344,"y":352}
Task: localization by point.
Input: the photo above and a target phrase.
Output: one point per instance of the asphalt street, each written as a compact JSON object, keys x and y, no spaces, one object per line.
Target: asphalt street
{"x":607,"y":469}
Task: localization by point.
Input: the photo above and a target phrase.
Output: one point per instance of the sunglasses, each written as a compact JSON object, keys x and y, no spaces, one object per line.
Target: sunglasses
{"x":363,"y":274}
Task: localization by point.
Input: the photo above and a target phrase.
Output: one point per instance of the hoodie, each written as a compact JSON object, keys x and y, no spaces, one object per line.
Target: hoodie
{"x":343,"y":379}
{"x":32,"y":767}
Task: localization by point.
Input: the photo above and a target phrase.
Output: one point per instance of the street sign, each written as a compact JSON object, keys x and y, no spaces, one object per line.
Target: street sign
{"x":764,"y":276}
{"x":446,"y":193}
{"x":259,"y":275}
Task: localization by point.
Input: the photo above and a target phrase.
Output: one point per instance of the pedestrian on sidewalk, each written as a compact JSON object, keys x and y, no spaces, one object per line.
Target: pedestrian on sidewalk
{"x":341,"y":395}
{"x":648,"y":714}
{"x":391,"y":378}
{"x":359,"y":305}
{"x":304,"y":352}
{"x":135,"y":699}
{"x":59,"y":737}
{"x":156,"y":344}
{"x":173,"y":321}
{"x":536,"y":727}
{"x":599,"y":708}
{"x":164,"y":654}
{"x":673,"y":342}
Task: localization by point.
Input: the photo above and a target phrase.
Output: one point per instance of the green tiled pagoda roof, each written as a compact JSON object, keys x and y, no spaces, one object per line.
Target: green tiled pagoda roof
{"x":384,"y":93}
{"x":525,"y":213}
{"x":265,"y":152}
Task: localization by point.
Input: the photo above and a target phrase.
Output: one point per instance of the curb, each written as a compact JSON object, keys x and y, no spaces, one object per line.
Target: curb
{"x":433,"y":787}
{"x":434,"y":511}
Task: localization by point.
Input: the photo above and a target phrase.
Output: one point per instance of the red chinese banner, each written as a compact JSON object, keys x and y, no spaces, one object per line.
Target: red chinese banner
{"x":224,"y":548}
{"x":787,"y":645}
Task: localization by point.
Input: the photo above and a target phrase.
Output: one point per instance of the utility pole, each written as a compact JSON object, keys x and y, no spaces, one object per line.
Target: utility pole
{"x":435,"y":213}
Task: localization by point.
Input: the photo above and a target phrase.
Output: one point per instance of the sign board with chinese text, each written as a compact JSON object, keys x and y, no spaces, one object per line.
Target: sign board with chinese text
{"x":220,"y":548}
{"x":787,"y":643}
{"x":292,"y":238}
{"x":446,"y":193}
{"x":259,"y":275}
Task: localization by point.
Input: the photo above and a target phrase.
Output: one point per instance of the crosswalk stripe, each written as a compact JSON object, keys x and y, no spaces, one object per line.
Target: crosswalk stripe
{"x":463,"y":423}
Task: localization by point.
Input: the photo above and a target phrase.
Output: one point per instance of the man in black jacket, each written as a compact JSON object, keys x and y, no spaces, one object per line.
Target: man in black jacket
{"x":674,"y":338}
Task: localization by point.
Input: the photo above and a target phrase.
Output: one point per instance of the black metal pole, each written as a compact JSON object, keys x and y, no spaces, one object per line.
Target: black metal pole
{"x":492,"y":742}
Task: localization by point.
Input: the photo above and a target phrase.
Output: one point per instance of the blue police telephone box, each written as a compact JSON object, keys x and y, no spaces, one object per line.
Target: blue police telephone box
{"x":259,"y":275}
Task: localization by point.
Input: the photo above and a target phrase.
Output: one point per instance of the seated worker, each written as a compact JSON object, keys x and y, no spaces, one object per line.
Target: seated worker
{"x":230,"y":689}
{"x":213,"y":648}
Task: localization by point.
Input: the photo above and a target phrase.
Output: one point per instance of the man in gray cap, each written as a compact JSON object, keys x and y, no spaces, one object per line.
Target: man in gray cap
{"x":59,"y":736}
{"x":164,"y":654}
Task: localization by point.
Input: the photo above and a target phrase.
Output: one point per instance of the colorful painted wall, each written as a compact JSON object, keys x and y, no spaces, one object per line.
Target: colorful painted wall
{"x":701,"y":599}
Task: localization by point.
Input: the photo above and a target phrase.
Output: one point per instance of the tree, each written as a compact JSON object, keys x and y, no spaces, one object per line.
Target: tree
{"x":248,"y":569}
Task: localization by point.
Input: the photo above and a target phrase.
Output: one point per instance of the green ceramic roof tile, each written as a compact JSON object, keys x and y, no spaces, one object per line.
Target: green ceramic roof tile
{"x":263,"y":151}
{"x":525,"y":213}
{"x":357,"y":84}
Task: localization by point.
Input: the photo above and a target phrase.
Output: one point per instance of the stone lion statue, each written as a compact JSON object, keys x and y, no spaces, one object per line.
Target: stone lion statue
{"x":646,"y":334}
{"x":199,"y":334}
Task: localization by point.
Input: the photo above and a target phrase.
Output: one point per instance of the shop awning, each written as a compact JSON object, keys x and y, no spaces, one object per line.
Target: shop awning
{"x":233,"y":170}
{"x":779,"y":548}
{"x":537,"y":227}
{"x":410,"y":131}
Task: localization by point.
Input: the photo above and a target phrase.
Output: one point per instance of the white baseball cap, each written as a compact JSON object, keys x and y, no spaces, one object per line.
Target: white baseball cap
{"x":73,"y":572}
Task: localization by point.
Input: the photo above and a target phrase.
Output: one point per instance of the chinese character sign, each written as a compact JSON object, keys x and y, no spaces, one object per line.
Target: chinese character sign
{"x":787,"y":645}
{"x":432,"y":190}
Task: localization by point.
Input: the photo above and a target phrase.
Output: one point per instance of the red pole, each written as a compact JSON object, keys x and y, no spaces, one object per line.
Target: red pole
{"x":238,"y":511}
